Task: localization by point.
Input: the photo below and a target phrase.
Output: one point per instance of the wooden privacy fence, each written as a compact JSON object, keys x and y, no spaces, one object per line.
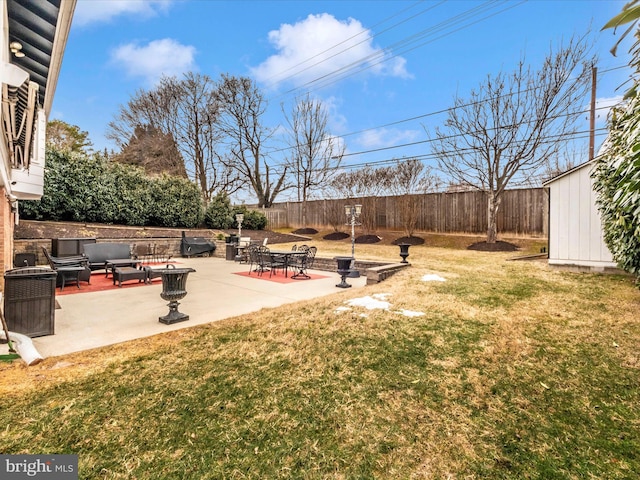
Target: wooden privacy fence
{"x":522,"y":212}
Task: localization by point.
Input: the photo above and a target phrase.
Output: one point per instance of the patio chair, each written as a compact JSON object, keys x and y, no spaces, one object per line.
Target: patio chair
{"x":253,"y":258}
{"x":161,"y":253}
{"x":73,"y":268}
{"x":143,"y":251}
{"x":243,"y":246}
{"x":311,"y":256}
{"x":269,"y":262}
{"x":303,"y":262}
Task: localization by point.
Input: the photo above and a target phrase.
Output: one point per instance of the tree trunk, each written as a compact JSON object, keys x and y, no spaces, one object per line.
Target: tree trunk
{"x":492,"y":217}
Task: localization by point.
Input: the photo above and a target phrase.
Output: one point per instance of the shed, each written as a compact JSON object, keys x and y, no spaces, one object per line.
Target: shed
{"x":576,"y":238}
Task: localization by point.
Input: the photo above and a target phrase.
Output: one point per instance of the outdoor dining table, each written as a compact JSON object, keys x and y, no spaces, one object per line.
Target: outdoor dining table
{"x":287,"y":255}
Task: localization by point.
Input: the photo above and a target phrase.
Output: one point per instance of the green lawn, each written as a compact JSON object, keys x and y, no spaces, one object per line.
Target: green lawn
{"x":512,"y":371}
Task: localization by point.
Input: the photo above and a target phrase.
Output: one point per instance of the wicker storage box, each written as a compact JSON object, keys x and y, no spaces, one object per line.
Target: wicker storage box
{"x":29,"y":300}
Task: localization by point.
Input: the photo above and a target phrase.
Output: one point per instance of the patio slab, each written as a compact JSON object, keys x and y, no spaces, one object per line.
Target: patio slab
{"x":96,"y":319}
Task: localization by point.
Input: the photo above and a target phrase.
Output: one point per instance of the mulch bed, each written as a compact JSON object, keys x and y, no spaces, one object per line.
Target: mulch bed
{"x":368,"y":239}
{"x":409,"y":240}
{"x":499,"y":246}
{"x":336,"y":236}
{"x":305,"y":231}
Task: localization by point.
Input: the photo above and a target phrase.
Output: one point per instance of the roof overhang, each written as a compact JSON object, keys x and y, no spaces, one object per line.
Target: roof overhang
{"x":41,"y":27}
{"x":36,"y":35}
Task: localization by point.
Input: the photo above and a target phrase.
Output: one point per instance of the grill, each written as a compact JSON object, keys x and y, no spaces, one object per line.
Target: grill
{"x":194,"y":246}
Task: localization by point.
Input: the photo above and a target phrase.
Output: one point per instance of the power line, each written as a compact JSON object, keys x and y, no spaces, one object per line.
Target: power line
{"x":344,"y":71}
{"x":439,"y":112}
{"x":579,"y":135}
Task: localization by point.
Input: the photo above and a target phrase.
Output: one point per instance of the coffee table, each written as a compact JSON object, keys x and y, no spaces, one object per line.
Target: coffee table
{"x":122,"y":274}
{"x":119,"y":262}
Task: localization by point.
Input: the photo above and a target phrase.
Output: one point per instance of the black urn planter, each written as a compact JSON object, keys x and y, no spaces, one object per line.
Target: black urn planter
{"x":174,"y":288}
{"x":344,"y":267}
{"x":404,"y":251}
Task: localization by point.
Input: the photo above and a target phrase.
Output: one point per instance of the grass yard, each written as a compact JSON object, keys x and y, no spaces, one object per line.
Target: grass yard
{"x":504,"y":370}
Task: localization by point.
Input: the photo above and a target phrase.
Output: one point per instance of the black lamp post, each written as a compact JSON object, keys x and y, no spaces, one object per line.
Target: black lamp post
{"x":353,"y":212}
{"x":174,"y":288}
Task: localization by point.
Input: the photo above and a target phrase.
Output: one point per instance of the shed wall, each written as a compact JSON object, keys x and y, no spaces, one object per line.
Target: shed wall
{"x":575,"y":228}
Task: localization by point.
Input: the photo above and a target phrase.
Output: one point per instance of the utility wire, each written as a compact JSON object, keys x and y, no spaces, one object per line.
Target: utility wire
{"x":380,"y":53}
{"x":350,"y":70}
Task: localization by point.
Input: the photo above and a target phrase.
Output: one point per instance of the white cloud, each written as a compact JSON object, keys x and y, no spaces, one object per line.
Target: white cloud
{"x":337,"y":121}
{"x":387,"y":137}
{"x":320,"y":46}
{"x":152,"y":61}
{"x":101,"y":11}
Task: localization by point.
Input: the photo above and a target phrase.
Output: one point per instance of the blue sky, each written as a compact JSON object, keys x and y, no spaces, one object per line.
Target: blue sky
{"x":400,"y":59}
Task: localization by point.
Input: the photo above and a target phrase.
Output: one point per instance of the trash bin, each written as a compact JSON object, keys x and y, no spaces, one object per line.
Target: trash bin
{"x":231,"y":251}
{"x":29,"y":300}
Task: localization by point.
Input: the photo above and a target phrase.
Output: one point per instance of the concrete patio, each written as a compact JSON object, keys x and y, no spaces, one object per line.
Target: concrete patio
{"x":95,"y":319}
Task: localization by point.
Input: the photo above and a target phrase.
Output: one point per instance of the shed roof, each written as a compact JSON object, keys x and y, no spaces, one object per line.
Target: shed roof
{"x":568,"y":172}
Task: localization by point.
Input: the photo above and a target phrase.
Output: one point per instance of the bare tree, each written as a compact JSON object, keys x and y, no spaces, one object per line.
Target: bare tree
{"x":316,"y":154}
{"x":187,"y":111}
{"x":241,"y":108}
{"x":365,"y":185}
{"x":407,"y":179}
{"x":512,"y":124}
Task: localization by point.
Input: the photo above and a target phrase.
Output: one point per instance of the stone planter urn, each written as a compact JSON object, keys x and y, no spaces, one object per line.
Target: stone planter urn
{"x":344,"y":267}
{"x":174,"y":288}
{"x":404,"y":251}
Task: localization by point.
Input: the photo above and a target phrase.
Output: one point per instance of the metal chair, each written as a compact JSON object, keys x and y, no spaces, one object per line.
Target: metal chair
{"x":253,"y":258}
{"x":143,"y":251}
{"x":269,"y":262}
{"x":303,"y":262}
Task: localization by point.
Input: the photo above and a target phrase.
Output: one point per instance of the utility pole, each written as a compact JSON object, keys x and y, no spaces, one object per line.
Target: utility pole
{"x":592,"y":119}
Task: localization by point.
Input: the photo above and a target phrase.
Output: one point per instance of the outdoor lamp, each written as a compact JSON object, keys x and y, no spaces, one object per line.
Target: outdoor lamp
{"x":239,"y":219}
{"x":353,"y":212}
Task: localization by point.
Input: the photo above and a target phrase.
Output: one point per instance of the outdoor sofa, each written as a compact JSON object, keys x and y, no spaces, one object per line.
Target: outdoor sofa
{"x":98,"y":253}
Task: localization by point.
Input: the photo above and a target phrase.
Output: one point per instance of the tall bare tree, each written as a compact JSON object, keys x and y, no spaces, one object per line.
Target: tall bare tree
{"x":185,"y":109}
{"x":407,"y":179}
{"x":315,"y":153}
{"x":363,"y":185}
{"x":242,"y":106}
{"x":513,"y":123}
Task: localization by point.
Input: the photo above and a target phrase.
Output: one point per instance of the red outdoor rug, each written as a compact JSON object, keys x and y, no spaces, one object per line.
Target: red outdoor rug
{"x":280,"y":278}
{"x":99,"y":283}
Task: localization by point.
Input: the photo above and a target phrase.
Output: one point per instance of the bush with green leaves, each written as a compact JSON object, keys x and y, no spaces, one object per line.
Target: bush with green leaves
{"x":219,"y":213}
{"x":617,"y":183}
{"x":176,"y":202}
{"x":253,"y":220}
{"x":616,"y":176}
{"x":83,"y":188}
